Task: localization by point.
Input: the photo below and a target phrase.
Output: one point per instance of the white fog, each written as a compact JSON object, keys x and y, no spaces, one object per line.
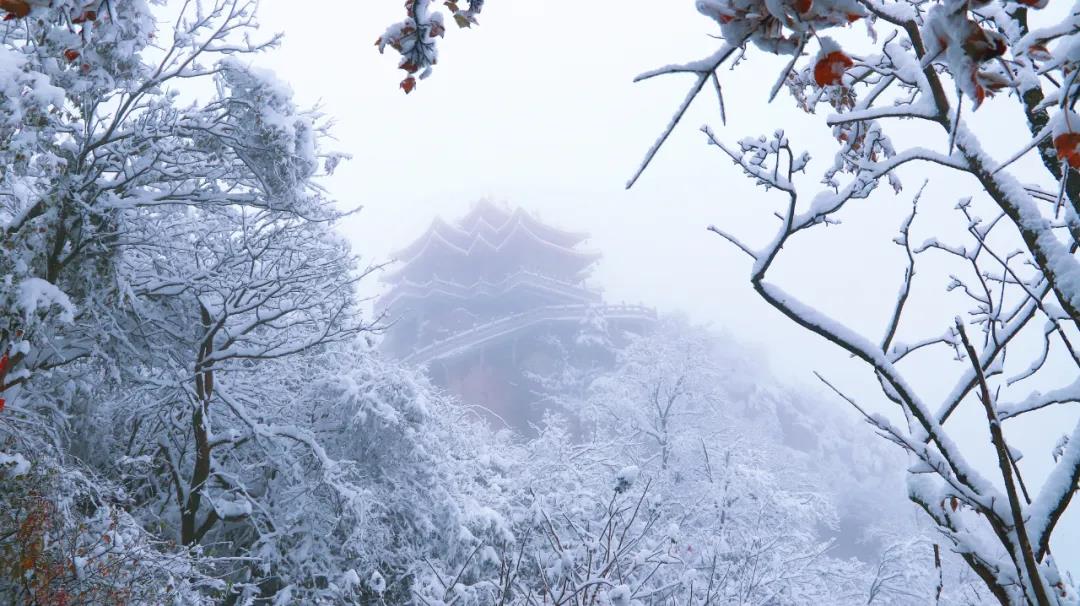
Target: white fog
{"x":424,"y":345}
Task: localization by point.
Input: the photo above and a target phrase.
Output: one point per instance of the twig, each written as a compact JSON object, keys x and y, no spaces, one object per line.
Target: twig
{"x":1004,"y":463}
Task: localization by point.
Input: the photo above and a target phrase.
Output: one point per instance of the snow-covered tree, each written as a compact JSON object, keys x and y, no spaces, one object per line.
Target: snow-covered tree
{"x":931,"y":66}
{"x":170,"y":268}
{"x":566,"y":523}
{"x":589,"y":509}
{"x":664,"y":384}
{"x":760,"y":476}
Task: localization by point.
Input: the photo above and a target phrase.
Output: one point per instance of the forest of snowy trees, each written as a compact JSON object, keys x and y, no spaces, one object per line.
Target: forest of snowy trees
{"x":194,"y":408}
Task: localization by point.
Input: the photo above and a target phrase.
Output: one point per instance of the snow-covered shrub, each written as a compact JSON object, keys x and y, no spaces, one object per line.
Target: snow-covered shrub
{"x":66,"y":538}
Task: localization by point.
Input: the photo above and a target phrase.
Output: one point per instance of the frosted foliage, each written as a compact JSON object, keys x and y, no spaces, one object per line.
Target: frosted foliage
{"x":736,"y":516}
{"x":1007,"y":270}
{"x":192,"y":410}
{"x":416,"y":37}
{"x":1009,"y":260}
{"x":167,"y":268}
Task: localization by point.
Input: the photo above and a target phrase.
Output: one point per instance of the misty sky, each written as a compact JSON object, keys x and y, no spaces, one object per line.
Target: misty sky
{"x":536,"y":107}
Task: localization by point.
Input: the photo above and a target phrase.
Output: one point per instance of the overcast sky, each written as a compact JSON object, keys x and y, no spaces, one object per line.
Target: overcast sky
{"x":536,"y":107}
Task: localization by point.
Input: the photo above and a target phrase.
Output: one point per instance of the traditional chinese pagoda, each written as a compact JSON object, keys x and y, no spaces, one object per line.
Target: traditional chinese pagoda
{"x":498,"y":308}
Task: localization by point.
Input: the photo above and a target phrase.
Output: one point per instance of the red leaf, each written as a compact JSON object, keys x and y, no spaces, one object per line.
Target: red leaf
{"x":980,"y":96}
{"x":408,"y":84}
{"x":1039,"y":52}
{"x":71,"y":54}
{"x":1068,"y":148}
{"x":803,"y":6}
{"x":16,"y":8}
{"x":983,"y":46}
{"x":830,"y":69}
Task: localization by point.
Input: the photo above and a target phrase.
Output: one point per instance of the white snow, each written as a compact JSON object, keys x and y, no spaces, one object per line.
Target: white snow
{"x":36,"y":294}
{"x":13,"y":465}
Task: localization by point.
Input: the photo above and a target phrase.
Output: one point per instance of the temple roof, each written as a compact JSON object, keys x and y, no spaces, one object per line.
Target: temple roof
{"x":488,"y":244}
{"x":496,"y":273}
{"x":495,"y":224}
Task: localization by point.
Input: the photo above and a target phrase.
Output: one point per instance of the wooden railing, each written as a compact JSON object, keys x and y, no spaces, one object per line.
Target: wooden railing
{"x":491,"y":289}
{"x":509,"y":325}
